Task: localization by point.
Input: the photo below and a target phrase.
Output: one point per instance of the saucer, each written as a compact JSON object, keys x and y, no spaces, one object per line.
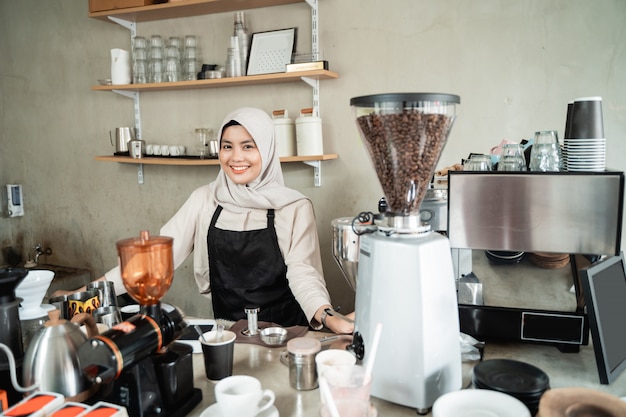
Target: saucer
{"x":214,"y":411}
{"x":479,"y":403}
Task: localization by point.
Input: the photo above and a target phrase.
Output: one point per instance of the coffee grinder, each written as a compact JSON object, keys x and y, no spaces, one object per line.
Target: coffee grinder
{"x":134,"y":363}
{"x":405,"y":278}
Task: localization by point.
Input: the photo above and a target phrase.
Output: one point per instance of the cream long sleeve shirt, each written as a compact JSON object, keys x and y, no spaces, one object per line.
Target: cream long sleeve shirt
{"x":297,"y":238}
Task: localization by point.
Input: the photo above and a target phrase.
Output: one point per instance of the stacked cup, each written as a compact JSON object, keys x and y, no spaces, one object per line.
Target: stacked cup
{"x":545,"y":154}
{"x":156,"y":69}
{"x":190,"y":58}
{"x":140,"y":60}
{"x":584,"y":146}
{"x":512,"y":158}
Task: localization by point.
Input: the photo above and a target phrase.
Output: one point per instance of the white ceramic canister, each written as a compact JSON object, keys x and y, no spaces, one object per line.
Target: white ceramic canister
{"x":120,"y":66}
{"x":285,"y":132}
{"x":309,"y":133}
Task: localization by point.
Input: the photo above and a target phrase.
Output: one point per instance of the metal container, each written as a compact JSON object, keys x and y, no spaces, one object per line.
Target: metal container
{"x":302,"y":368}
{"x":51,"y":360}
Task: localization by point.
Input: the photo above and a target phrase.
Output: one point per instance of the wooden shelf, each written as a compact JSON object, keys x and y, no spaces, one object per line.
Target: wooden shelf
{"x":282,"y":77}
{"x":197,"y":162}
{"x":185,"y":8}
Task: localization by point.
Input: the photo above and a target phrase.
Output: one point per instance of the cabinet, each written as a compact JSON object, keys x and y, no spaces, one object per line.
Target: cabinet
{"x":129,"y":17}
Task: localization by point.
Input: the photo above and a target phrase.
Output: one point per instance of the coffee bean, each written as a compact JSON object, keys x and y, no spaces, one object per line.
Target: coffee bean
{"x":405,"y":148}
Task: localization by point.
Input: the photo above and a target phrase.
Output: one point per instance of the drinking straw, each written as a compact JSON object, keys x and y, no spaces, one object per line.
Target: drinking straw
{"x":328,"y":397}
{"x":372,"y":357}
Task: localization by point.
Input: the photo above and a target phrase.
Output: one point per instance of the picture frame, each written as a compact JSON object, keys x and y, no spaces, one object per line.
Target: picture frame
{"x":271,"y":51}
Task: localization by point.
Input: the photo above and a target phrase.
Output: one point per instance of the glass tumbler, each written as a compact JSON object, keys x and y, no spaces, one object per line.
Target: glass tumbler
{"x":512,"y":158}
{"x":478,"y":163}
{"x":546,"y":152}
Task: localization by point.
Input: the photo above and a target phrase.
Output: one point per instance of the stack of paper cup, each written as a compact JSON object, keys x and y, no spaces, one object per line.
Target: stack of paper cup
{"x":584,"y":145}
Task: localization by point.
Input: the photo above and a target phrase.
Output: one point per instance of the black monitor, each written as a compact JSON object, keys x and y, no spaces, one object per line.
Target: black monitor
{"x":604,"y":286}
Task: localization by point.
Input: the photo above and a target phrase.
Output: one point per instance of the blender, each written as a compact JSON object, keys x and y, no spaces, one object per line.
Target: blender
{"x":405,"y":275}
{"x":134,"y":364}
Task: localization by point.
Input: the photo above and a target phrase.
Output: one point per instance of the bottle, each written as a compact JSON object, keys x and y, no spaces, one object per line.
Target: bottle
{"x":243,"y":38}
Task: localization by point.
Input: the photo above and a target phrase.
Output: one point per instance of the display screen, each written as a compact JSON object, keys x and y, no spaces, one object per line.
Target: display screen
{"x":605,"y":295}
{"x":15,"y":196}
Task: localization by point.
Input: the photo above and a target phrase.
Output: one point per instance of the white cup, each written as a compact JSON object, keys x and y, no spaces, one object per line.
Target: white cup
{"x":156,"y":149}
{"x":242,"y":396}
{"x":332,"y":358}
{"x":149,"y":149}
{"x":165,"y":150}
{"x":181,"y":149}
{"x":174,"y":150}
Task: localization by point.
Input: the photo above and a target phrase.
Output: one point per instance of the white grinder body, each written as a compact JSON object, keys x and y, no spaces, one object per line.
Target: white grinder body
{"x":406,"y":282}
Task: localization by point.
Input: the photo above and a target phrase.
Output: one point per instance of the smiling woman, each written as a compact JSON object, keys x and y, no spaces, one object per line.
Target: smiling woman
{"x":254,"y":241}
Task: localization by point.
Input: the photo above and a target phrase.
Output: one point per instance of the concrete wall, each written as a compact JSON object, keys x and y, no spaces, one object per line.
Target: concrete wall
{"x":515,"y":65}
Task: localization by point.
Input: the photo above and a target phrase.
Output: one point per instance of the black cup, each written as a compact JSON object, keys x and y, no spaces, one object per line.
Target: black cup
{"x":218,"y":355}
{"x":586,"y":119}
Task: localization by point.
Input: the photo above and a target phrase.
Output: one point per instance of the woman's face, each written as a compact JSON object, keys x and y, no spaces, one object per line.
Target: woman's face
{"x":239,"y":156}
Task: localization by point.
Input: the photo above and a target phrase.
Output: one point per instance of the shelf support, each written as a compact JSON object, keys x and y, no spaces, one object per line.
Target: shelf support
{"x":140,"y":174}
{"x":317,"y":172}
{"x":315,"y":84}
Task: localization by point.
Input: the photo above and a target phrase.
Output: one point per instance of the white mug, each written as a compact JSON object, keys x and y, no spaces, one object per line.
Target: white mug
{"x":181,"y":149}
{"x":156,"y":149}
{"x":174,"y":150}
{"x":242,"y":396}
{"x":165,"y":150}
{"x":149,"y":149}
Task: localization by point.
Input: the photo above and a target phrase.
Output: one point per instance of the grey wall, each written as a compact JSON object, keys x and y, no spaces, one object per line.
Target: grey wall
{"x":515,"y":65}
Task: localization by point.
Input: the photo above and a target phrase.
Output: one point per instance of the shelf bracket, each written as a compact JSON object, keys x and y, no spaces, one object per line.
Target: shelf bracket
{"x":132,"y":26}
{"x":140,"y":174}
{"x":317,"y":172}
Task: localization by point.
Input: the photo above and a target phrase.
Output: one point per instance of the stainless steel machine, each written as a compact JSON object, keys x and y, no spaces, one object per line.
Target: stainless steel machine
{"x":405,"y":277}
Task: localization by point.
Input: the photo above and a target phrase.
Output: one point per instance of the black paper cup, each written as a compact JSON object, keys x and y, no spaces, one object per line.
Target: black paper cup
{"x":586,"y":119}
{"x":218,"y":354}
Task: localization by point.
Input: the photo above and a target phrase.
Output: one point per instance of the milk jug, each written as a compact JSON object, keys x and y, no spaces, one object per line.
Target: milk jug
{"x":120,"y":66}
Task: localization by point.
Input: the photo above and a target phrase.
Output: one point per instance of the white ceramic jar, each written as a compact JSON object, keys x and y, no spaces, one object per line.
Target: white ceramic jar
{"x":285,"y":132}
{"x":309,"y":134}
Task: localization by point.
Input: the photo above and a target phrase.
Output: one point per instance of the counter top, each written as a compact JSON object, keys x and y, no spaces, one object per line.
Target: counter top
{"x":564,"y":370}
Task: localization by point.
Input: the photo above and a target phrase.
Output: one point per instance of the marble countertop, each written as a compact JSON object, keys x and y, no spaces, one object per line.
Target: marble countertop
{"x":564,"y":370}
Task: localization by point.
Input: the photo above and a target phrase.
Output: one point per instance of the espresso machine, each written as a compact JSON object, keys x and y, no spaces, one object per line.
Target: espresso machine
{"x":135,"y":364}
{"x":405,"y":279}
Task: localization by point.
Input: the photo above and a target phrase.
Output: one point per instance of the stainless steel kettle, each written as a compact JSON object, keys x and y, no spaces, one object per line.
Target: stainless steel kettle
{"x":51,"y":359}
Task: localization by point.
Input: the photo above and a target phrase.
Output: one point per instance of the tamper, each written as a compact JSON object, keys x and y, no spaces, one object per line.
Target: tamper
{"x":253,"y":325}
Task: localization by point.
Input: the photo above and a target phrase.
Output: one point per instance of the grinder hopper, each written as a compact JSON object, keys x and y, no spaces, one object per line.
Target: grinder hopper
{"x":404,"y":134}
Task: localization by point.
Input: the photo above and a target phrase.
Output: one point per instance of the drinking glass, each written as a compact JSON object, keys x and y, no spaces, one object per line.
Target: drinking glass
{"x":512,"y":158}
{"x":546,"y":153}
{"x":478,"y":163}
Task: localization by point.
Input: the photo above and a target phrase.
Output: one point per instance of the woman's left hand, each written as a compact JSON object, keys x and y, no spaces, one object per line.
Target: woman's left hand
{"x":340,"y":326}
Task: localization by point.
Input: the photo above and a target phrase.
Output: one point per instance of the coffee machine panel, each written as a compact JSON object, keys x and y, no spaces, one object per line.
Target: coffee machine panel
{"x":405,"y":276}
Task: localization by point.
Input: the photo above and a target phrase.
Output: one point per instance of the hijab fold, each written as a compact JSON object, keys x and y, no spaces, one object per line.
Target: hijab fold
{"x":268,"y":189}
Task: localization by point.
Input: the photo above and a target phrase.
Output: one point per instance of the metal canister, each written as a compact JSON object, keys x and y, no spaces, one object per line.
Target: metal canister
{"x":302,"y":368}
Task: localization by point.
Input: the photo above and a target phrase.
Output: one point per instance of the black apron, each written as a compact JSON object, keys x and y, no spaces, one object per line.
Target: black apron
{"x":247,"y":269}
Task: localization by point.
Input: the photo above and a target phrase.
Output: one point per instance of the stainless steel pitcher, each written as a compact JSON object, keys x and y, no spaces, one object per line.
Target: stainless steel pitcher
{"x":123,"y":135}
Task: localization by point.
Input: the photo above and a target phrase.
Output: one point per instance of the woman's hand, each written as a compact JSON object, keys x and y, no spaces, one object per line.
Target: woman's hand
{"x":339,"y":325}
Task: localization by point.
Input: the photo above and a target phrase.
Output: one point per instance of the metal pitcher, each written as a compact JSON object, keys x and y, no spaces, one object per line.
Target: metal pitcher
{"x":123,"y":135}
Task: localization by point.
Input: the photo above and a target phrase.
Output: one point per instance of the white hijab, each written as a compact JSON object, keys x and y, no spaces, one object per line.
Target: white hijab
{"x":268,"y":189}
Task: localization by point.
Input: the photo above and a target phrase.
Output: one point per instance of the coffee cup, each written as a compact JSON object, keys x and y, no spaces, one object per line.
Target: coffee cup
{"x":165,"y":150}
{"x":218,"y":354}
{"x":149,"y":149}
{"x":242,"y":396}
{"x":156,"y":150}
{"x":82,"y":302}
{"x":181,"y":149}
{"x":174,"y":150}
